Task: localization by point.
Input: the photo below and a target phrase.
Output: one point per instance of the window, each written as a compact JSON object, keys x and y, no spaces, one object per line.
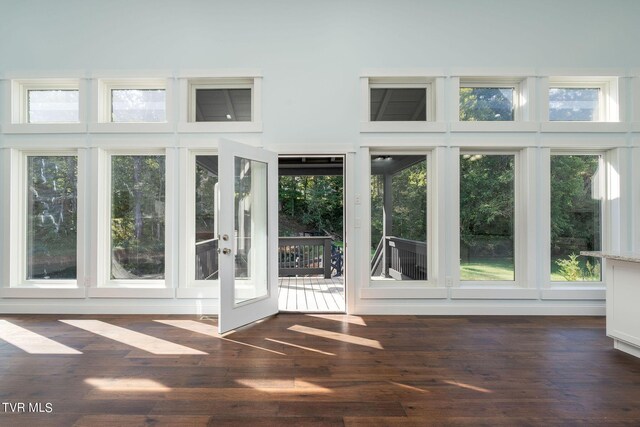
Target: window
{"x":487,"y":217}
{"x":132,"y":101}
{"x":487,"y":103}
{"x":221,"y":100}
{"x":576,"y":217}
{"x":399,"y":217}
{"x":400,"y":100}
{"x":137,"y":223}
{"x":51,"y":217}
{"x":45,"y":101}
{"x":583,"y":99}
{"x":206,"y":218}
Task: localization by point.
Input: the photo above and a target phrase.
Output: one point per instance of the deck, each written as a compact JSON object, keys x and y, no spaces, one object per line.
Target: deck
{"x":311,"y":294}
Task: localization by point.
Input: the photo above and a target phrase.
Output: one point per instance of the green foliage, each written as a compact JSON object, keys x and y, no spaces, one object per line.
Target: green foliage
{"x":315,"y":201}
{"x":486,"y":104}
{"x":572,"y":271}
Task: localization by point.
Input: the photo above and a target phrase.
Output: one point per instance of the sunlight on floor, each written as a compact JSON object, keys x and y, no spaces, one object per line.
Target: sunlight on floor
{"x":354,"y":320}
{"x":31,"y":342}
{"x":300,"y":347}
{"x":135,"y":339}
{"x":209,"y":330}
{"x":337,"y":336}
{"x":468,"y":386}
{"x":127,"y":384}
{"x":275,"y":386}
{"x":409,"y":387}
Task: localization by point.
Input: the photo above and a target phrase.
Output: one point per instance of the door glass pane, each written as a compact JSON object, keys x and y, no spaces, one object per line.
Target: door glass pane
{"x":576,"y":197}
{"x":399,"y":217}
{"x":206,"y":217}
{"x":250,"y":219}
{"x":137,"y":217}
{"x":52,"y":206}
{"x":53,"y":106}
{"x":486,"y":104}
{"x":138,"y":105}
{"x":573,"y":104}
{"x":487,"y":209}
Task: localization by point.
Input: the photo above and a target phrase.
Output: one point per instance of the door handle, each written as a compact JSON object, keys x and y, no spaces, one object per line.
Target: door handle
{"x":225,"y":251}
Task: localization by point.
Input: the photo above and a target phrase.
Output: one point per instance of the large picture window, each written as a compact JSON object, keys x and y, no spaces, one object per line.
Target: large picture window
{"x":487,"y":217}
{"x":576,"y":220}
{"x":51,"y":223}
{"x":399,"y":217}
{"x":137,"y":217}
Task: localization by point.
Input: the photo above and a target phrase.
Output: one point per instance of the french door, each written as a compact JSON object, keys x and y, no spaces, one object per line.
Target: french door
{"x":248,"y":241}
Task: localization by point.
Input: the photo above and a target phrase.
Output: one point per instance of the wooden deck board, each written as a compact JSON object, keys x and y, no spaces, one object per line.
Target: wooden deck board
{"x":311,"y":294}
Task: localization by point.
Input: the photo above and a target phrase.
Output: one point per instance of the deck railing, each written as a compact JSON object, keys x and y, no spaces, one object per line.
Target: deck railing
{"x":207,"y":259}
{"x":400,"y":259}
{"x":299,"y":256}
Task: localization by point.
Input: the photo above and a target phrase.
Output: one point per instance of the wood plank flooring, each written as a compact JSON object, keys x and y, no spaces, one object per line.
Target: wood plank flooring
{"x":316,"y":370}
{"x":311,"y":294}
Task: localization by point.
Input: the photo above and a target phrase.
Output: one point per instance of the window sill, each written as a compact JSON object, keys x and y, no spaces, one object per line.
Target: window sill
{"x":495,"y":126}
{"x":197,"y":293}
{"x":130,"y":127}
{"x":40,"y":128}
{"x":42,"y":292}
{"x":574,"y":293}
{"x":635,"y":127}
{"x":377,"y":291}
{"x":129,"y":292}
{"x":489,"y":291}
{"x":584,"y":127}
{"x":220,"y":127}
{"x":439,"y":127}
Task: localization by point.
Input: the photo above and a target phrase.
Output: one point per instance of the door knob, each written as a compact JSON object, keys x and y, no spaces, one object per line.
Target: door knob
{"x":226,"y":251}
{"x":225,"y":237}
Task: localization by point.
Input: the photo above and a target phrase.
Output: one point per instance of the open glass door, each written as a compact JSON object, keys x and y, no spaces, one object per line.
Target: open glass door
{"x":248,"y":244}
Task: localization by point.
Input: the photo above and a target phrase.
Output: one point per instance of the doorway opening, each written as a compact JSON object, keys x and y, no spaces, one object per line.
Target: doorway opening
{"x":311,"y":250}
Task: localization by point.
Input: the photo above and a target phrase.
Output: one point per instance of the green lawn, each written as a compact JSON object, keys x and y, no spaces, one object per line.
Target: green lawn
{"x":501,"y":269}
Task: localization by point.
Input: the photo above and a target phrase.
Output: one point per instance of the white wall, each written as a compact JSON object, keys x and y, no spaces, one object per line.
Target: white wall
{"x":311,"y":55}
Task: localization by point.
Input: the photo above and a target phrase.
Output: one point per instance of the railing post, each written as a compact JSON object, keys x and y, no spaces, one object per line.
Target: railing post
{"x":326,"y":258}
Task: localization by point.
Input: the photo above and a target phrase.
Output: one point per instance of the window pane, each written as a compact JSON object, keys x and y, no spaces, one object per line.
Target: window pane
{"x":399,"y":104}
{"x":575,"y":217}
{"x":53,"y":106}
{"x":487,"y":209}
{"x":223,"y":105}
{"x":52,"y":205}
{"x":399,"y":217}
{"x":138,"y":105}
{"x":137,"y":217}
{"x":206,"y":217}
{"x":573,"y":104}
{"x":486,"y":104}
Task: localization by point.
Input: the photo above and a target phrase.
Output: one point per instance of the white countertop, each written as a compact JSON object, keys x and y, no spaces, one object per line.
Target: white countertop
{"x":619,"y":256}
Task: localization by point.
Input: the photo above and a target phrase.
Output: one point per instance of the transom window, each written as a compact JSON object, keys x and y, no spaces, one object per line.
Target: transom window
{"x":487,"y":103}
{"x":398,"y":104}
{"x":221,"y":100}
{"x":583,"y":99}
{"x":47,"y":101}
{"x":133,"y":101}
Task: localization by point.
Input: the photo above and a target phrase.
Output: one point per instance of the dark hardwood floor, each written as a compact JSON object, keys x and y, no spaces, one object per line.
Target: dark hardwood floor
{"x":315,"y":370}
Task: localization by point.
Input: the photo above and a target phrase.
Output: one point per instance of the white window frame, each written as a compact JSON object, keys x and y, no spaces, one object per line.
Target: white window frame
{"x":523,"y":118}
{"x":189,"y":83}
{"x":189,"y":286}
{"x":579,"y":289}
{"x":18,"y":286}
{"x":434,"y":87}
{"x":403,"y":289}
{"x":19,"y":105}
{"x":609,"y":107}
{"x":101,"y":111}
{"x":103,"y":285}
{"x":521,"y":282}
